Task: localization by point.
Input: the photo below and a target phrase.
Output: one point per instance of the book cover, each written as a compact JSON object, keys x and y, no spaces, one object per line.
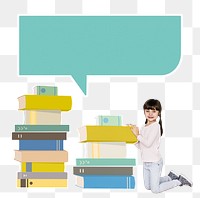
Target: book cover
{"x":104,"y":149}
{"x":105,"y":181}
{"x":39,"y":136}
{"x":98,"y":170}
{"x":46,"y":90}
{"x":38,"y":128}
{"x":42,"y":117}
{"x":41,"y":145}
{"x":93,"y":133}
{"x":109,"y":120}
{"x":41,"y":156}
{"x":105,"y":162}
{"x":41,"y":183}
{"x":42,"y":167}
{"x":41,"y":175}
{"x":40,"y":102}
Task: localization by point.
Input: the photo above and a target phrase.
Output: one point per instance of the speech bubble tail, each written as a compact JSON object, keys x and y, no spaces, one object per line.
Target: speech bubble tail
{"x":82,"y":82}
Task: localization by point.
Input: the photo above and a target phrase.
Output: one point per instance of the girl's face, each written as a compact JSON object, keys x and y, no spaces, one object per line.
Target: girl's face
{"x":151,"y":115}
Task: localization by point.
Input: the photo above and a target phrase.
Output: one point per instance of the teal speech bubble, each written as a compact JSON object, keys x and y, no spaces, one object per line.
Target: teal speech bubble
{"x":98,"y":45}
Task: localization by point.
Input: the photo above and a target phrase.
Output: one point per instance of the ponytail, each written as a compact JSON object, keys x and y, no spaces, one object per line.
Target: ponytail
{"x":161,"y":128}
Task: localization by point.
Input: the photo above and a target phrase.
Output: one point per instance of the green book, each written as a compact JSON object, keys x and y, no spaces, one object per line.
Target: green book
{"x":46,"y":90}
{"x":41,"y":128}
{"x":109,"y":120}
{"x":105,"y":162}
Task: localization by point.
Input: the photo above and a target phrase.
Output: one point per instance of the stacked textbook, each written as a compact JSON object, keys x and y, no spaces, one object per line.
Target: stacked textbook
{"x":105,"y":164}
{"x":41,"y":139}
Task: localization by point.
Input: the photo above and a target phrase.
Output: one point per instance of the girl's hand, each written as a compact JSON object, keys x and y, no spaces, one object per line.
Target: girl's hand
{"x":134,"y":129}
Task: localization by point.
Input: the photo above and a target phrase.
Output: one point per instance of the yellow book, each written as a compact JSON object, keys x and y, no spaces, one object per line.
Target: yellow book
{"x":41,"y":183}
{"x":107,"y":134}
{"x":43,"y":102}
{"x":42,"y":167}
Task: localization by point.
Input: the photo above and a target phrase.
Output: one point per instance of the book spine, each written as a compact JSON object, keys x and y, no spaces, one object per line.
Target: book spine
{"x":96,"y":181}
{"x":110,"y":120}
{"x":42,"y":127}
{"x":46,"y":90}
{"x":40,"y":102}
{"x":38,"y":136}
{"x":41,"y":156}
{"x":42,"y":175}
{"x":39,"y":117}
{"x":56,"y":145}
{"x":103,"y":170}
{"x":105,"y":150}
{"x":26,"y":183}
{"x":42,"y":167}
{"x":105,"y":162}
{"x":107,"y":134}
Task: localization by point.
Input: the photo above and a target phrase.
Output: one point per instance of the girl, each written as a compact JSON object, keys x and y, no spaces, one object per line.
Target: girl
{"x":148,"y":143}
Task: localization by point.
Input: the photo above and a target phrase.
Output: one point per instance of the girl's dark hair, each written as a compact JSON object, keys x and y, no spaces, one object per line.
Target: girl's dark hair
{"x":154,"y":104}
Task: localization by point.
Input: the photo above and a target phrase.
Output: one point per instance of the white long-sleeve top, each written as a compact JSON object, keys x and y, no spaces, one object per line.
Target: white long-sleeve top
{"x":149,"y":142}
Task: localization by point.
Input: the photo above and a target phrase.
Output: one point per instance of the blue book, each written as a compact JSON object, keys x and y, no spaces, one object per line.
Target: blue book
{"x":106,"y":181}
{"x":56,"y":145}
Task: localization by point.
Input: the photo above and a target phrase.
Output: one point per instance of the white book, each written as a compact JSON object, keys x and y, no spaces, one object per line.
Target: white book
{"x":104,"y":150}
{"x":42,"y":117}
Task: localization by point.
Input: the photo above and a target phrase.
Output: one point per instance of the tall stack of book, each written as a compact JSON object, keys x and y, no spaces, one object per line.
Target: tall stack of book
{"x":105,"y":163}
{"x":41,"y":137}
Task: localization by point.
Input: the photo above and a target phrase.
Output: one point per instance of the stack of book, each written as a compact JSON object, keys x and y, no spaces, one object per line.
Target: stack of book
{"x":105,"y":163}
{"x":41,"y":137}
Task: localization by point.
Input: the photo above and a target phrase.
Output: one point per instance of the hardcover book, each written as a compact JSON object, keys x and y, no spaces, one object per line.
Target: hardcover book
{"x":38,"y":128}
{"x":41,"y":183}
{"x":36,"y":175}
{"x":42,"y":166}
{"x":42,"y":117}
{"x":41,"y":156}
{"x":98,"y":170}
{"x":105,"y":162}
{"x":56,"y":145}
{"x":109,"y":120}
{"x":105,"y":181}
{"x":106,"y":134}
{"x":40,"y":102}
{"x":38,"y":136}
{"x":46,"y":90}
{"x":104,"y":150}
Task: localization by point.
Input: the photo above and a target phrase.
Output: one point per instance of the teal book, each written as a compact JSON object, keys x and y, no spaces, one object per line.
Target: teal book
{"x":24,"y":127}
{"x":105,"y":162}
{"x":46,"y":90}
{"x":109,"y":120}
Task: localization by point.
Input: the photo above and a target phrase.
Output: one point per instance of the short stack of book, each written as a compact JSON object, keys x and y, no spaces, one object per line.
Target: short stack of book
{"x":41,"y":137}
{"x":105,"y":163}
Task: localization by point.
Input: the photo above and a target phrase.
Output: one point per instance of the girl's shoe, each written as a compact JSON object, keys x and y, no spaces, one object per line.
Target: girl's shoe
{"x":185,"y":181}
{"x":173,"y":175}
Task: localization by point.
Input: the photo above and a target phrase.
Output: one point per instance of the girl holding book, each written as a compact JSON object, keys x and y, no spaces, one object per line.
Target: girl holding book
{"x":149,"y":142}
